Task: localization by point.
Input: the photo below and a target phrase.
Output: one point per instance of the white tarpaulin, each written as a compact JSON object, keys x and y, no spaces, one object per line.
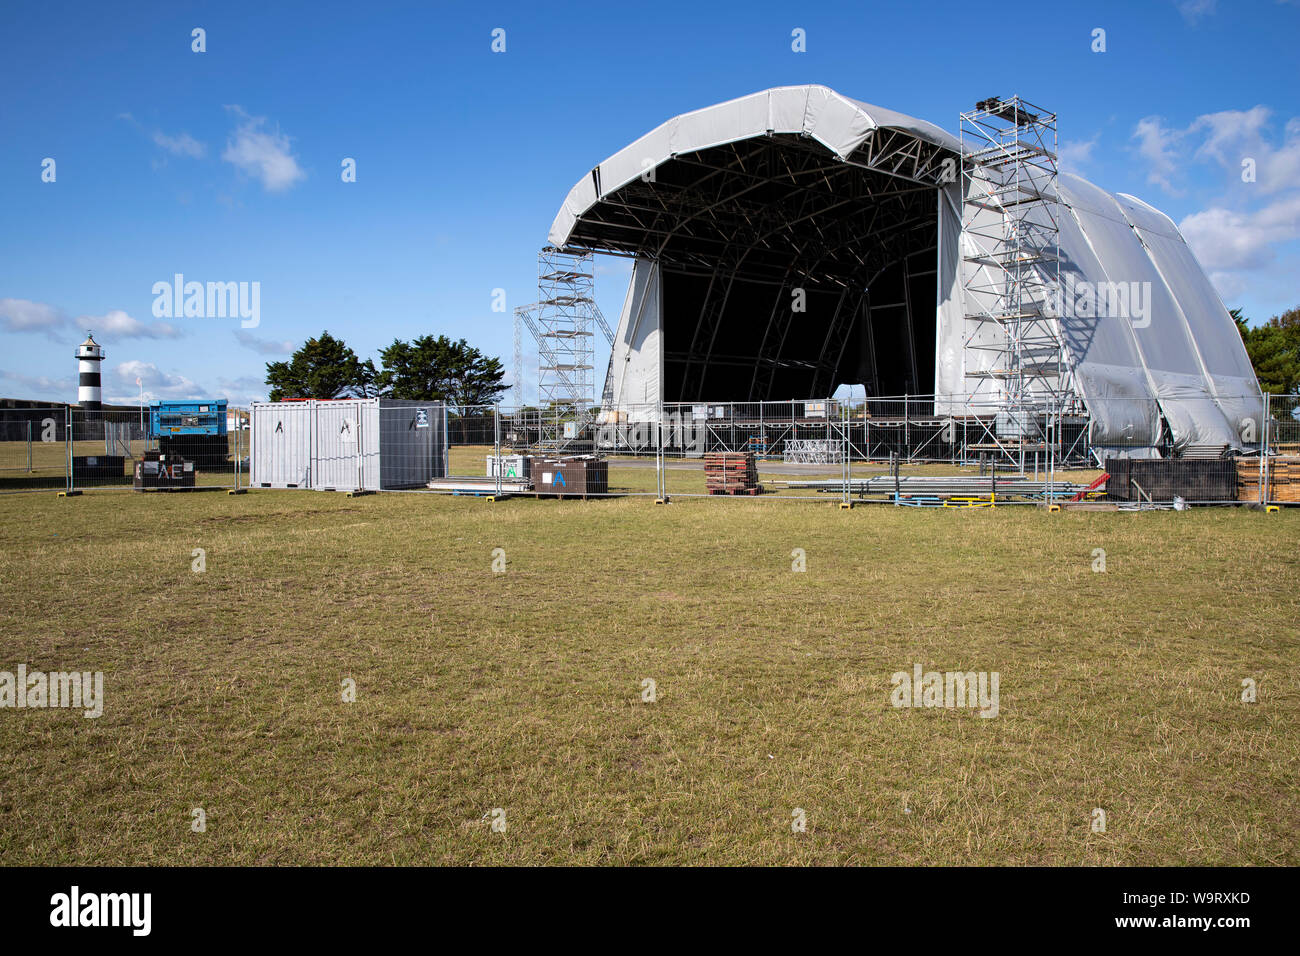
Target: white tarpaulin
{"x":637,"y":366}
{"x":837,"y":122}
{"x":1176,"y":353}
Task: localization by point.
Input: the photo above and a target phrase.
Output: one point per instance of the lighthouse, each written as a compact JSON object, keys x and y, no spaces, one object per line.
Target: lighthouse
{"x":89,"y":392}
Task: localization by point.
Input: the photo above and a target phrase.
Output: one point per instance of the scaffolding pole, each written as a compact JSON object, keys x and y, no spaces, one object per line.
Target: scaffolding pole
{"x":1011,"y":273}
{"x":563,"y":322}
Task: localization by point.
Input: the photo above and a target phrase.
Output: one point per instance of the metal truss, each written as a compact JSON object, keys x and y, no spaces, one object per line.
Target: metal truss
{"x":563,"y":323}
{"x":781,"y":199}
{"x":1011,"y":273}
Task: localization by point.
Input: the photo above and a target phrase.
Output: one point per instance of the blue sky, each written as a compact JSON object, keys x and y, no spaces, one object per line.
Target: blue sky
{"x":225,"y":165}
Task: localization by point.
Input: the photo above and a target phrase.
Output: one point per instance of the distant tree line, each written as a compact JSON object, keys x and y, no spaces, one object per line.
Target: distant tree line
{"x":1274,"y":350}
{"x":426,"y":369}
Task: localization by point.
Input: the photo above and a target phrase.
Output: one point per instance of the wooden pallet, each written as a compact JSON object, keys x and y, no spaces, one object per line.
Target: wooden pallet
{"x":1283,"y":479}
{"x":731,"y":473}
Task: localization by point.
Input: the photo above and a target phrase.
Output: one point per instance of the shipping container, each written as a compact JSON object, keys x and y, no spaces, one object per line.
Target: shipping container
{"x":279,"y":454}
{"x":371,"y":444}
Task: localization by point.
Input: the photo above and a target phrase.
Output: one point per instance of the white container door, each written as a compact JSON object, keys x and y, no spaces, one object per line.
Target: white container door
{"x":346,"y":446}
{"x":279,"y":456}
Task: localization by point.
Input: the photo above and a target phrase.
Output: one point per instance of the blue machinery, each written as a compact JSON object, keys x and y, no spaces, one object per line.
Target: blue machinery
{"x":194,"y":429}
{"x":168,"y":419}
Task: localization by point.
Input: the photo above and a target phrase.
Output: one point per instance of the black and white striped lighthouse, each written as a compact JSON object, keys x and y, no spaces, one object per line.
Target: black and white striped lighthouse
{"x":89,"y":392}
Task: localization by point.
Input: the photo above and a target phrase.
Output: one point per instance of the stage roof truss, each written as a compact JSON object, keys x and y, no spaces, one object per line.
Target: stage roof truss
{"x":791,"y":203}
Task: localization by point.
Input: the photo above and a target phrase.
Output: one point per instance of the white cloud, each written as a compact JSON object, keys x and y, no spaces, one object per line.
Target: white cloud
{"x":1242,"y":234}
{"x":263,"y":346}
{"x":262,"y":154}
{"x":23,"y":315}
{"x":1228,"y":129}
{"x":1225,"y":138}
{"x":117,"y":324}
{"x":156,"y":383}
{"x":1229,"y":285}
{"x":182,"y":144}
{"x":1228,"y":239}
{"x":1194,"y":11}
{"x":1074,"y":154}
{"x":1156,"y":145}
{"x":48,"y":388}
{"x":1232,"y":136}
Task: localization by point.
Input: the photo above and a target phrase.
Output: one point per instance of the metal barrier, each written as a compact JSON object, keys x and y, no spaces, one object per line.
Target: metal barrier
{"x":906,"y":450}
{"x":69,"y":449}
{"x":496,"y":451}
{"x":33,"y":449}
{"x":1279,"y":464}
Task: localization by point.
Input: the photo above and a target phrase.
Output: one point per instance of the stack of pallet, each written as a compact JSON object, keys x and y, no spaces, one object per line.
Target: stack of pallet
{"x":731,"y":473}
{"x":1283,"y":479}
{"x":1284,"y":474}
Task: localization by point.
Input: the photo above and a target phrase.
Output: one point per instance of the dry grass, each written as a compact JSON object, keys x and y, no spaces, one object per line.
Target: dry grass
{"x":522,"y":690}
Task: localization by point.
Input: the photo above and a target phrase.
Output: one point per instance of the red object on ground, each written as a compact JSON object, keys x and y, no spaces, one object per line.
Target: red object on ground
{"x":1096,"y":483}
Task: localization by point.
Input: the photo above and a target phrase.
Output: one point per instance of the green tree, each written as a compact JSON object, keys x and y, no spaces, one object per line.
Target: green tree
{"x":368,"y":380}
{"x":1274,"y":350}
{"x":440,"y":370}
{"x":323,"y":368}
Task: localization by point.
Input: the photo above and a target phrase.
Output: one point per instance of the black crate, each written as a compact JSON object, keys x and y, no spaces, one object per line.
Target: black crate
{"x":163,"y":473}
{"x":98,"y":467}
{"x":570,"y":476}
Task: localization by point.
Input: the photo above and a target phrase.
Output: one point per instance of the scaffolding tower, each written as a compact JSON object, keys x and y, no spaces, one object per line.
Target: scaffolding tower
{"x":1011,"y":272}
{"x":563,"y":322}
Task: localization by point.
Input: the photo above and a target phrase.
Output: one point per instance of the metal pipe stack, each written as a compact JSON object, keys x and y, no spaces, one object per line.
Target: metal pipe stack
{"x":941,"y":486}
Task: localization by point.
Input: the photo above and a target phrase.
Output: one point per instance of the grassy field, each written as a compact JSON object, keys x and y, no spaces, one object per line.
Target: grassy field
{"x":522,"y":690}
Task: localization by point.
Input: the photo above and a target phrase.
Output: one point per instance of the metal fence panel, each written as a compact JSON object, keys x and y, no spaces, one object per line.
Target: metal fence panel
{"x":1279,"y":474}
{"x":33,"y":448}
{"x":102,"y":448}
{"x":411,"y":442}
{"x":883,"y":448}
